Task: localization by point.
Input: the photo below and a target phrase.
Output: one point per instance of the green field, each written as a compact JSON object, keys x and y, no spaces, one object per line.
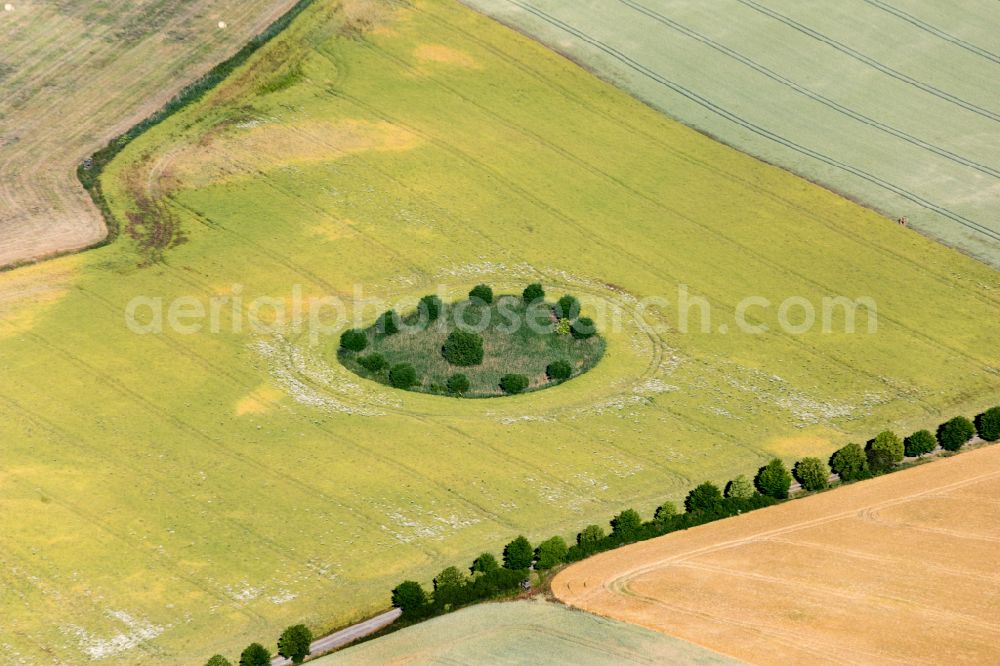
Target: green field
{"x":165,"y":497}
{"x":525,"y":632}
{"x":893,"y":102}
{"x":510,"y":344}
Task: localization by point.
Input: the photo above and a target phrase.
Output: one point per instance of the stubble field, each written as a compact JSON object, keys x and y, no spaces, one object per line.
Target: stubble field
{"x":894,"y":103}
{"x":899,"y":569}
{"x":167,"y":496}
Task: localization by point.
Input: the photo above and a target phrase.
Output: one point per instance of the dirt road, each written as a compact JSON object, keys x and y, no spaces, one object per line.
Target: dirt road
{"x":345,"y":636}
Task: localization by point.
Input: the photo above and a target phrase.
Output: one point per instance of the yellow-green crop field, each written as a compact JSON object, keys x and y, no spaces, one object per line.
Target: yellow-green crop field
{"x":167,"y":496}
{"x":894,"y":103}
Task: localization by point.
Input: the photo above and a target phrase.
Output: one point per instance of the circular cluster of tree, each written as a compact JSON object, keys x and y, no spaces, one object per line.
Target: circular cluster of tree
{"x":464,"y":348}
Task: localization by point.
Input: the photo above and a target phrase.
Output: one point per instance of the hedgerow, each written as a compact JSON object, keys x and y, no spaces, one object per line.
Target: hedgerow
{"x":704,"y":504}
{"x":955,"y":433}
{"x":89,"y":173}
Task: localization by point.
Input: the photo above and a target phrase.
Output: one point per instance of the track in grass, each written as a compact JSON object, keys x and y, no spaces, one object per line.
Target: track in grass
{"x":74,"y":76}
{"x":203,"y":490}
{"x":853,"y":98}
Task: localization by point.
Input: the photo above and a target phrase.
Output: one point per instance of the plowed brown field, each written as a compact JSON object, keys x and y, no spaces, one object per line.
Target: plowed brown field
{"x":900,"y":569}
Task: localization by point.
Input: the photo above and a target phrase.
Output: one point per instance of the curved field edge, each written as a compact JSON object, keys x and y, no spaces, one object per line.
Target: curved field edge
{"x":89,"y":172}
{"x":203,"y":490}
{"x":851,"y":99}
{"x":829,"y":577}
{"x":75,"y":76}
{"x":520,"y":631}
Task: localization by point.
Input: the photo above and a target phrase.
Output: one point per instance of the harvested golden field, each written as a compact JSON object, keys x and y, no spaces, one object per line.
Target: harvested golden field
{"x":75,"y":75}
{"x":902,"y":568}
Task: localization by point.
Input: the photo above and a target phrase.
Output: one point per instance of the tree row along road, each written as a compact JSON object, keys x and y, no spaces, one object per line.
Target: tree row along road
{"x":936,"y":453}
{"x":371,"y":625}
{"x":345,"y":636}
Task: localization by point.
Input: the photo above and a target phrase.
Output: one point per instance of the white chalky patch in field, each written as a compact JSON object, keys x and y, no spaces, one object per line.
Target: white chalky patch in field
{"x":245,"y":593}
{"x":290,"y":368}
{"x":8,"y":7}
{"x":283,"y":597}
{"x":137,"y":631}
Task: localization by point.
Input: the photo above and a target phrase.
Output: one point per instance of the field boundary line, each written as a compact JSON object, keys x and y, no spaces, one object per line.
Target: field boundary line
{"x":597,"y":171}
{"x":674,"y":150}
{"x":761,"y":131}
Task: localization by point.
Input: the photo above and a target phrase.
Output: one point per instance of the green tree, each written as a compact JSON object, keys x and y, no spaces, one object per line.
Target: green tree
{"x":255,"y":654}
{"x":294,"y":643}
{"x":403,"y":376}
{"x":919,"y":443}
{"x":879,"y":461}
{"x":590,"y":536}
{"x":954,"y":433}
{"x":889,"y":441}
{"x":388,"y":323}
{"x":774,"y":480}
{"x":449,"y":587}
{"x":458,"y":384}
{"x":850,"y":463}
{"x":463,"y":348}
{"x":550,"y":553}
{"x":353,"y":340}
{"x":707,"y":497}
{"x":373,"y":362}
{"x":988,"y":424}
{"x":812,"y":473}
{"x":559,"y":370}
{"x":410,"y":598}
{"x":217,"y":660}
{"x":513,"y":383}
{"x":485,"y":563}
{"x":583,"y":328}
{"x":740,"y":488}
{"x":532,"y":293}
{"x":518,"y":554}
{"x":482,"y":293}
{"x":626,"y":525}
{"x":430,"y":307}
{"x":664,"y":513}
{"x":568,"y":307}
